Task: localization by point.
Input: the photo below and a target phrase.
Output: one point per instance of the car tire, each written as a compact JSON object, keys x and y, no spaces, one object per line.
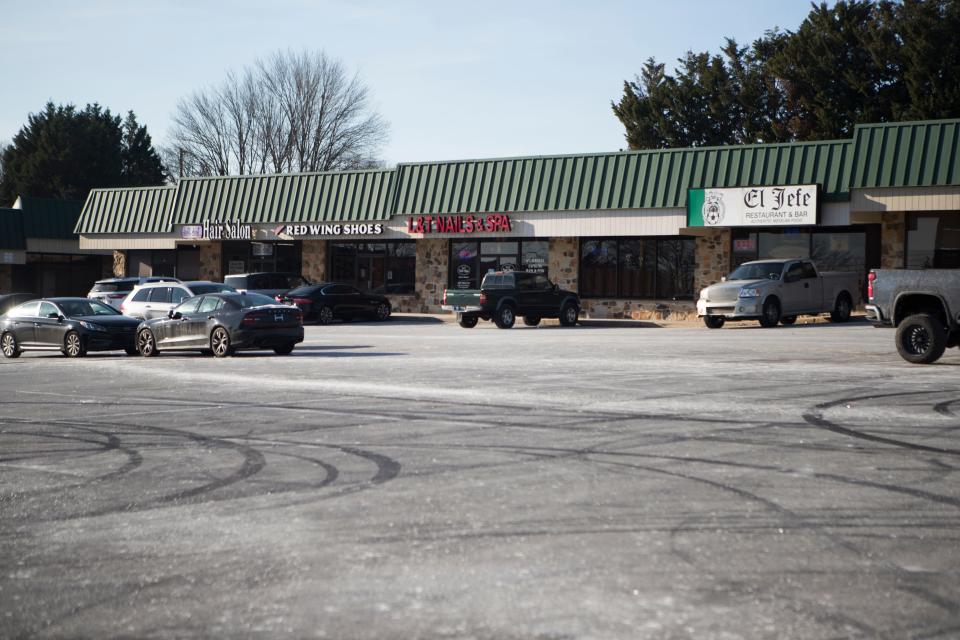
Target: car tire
{"x":788,"y":320}
{"x":714,"y":322}
{"x":147,"y":344}
{"x":770,"y":315}
{"x":9,"y":346}
{"x":921,"y":339}
{"x":325,"y":315}
{"x":383,"y":312}
{"x":841,"y":309}
{"x":505,"y":317}
{"x":131,"y":351}
{"x":531,"y":321}
{"x":285,"y":350}
{"x":220,"y":343}
{"x":569,"y":315}
{"x":467,"y":322}
{"x":73,"y":346}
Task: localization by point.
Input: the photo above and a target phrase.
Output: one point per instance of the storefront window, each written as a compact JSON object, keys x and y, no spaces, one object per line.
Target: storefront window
{"x":378,"y":267}
{"x":254,"y":257}
{"x":637,"y":268}
{"x":182,"y":262}
{"x":933,"y":241}
{"x":470,"y":261}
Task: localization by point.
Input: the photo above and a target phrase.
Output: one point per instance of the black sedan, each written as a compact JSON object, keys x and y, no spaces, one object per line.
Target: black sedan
{"x":73,"y":326}
{"x":329,"y":300}
{"x":223,"y":324}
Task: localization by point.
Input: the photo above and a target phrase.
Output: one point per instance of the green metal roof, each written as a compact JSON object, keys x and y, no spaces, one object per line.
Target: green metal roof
{"x":293,"y":197}
{"x":138,"y":210}
{"x":11,"y":230}
{"x":49,"y":218}
{"x":631,"y":180}
{"x":885,"y":155}
{"x":906,"y":154}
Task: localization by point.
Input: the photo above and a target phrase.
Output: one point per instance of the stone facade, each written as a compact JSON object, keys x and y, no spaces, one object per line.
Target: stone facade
{"x":893,"y":240}
{"x":119,"y":264}
{"x":563,"y":268}
{"x":712,"y":258}
{"x":6,"y":278}
{"x":211,"y":263}
{"x":595,"y":309}
{"x":314,"y":263}
{"x":432,"y":257}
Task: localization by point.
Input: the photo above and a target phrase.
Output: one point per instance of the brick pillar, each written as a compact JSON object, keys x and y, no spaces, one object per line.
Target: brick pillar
{"x":432,"y":257}
{"x":314,"y":263}
{"x":210,"y":262}
{"x":893,"y":240}
{"x":6,"y":278}
{"x":713,"y":258}
{"x":564,"y":257}
{"x":119,"y":264}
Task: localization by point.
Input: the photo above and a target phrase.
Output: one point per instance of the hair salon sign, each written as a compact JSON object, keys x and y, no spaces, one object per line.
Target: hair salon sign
{"x":784,"y":206}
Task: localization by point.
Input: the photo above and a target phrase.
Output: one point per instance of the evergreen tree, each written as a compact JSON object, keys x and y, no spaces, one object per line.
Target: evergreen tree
{"x":63,"y":152}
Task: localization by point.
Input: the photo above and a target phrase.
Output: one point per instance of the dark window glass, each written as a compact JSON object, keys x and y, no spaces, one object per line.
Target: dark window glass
{"x":933,"y":241}
{"x":76,"y":308}
{"x":788,"y":244}
{"x":637,"y":260}
{"x":46,"y":309}
{"x":141,"y":296}
{"x":178,"y":295}
{"x":541,"y":282}
{"x":637,"y":267}
{"x":807,"y":270}
{"x":598,"y":268}
{"x":794,"y":272}
{"x":160,"y":294}
{"x":209,"y":304}
{"x":246,"y":300}
{"x":675,"y":266}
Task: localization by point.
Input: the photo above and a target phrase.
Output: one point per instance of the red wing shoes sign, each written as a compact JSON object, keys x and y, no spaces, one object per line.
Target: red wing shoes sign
{"x":787,"y":206}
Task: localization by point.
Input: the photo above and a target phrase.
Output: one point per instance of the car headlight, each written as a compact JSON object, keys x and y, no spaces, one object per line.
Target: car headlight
{"x":749,"y":293}
{"x":92,"y":326}
{"x":703,"y":294}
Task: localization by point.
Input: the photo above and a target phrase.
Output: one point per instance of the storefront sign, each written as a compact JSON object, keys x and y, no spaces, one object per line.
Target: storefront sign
{"x":301,"y":230}
{"x":753,"y":206}
{"x":216,"y":231}
{"x":493,"y":223}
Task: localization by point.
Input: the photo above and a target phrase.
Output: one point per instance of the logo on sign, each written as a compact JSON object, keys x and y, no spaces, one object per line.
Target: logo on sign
{"x":713,"y":209}
{"x":463,"y":270}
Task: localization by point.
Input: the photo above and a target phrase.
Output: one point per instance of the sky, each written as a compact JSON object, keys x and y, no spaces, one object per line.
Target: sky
{"x":454,"y":80}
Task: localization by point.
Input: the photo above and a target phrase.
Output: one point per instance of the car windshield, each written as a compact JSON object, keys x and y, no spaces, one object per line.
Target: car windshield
{"x":213,"y":287}
{"x":252,"y":300}
{"x":79,"y":308}
{"x":757,"y":271}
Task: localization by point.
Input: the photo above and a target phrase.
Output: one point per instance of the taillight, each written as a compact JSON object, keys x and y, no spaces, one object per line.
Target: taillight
{"x":252,"y":318}
{"x":302,"y":301}
{"x":870,"y":278}
{"x":117,"y":295}
{"x":443,"y":302}
{"x":483,"y":298}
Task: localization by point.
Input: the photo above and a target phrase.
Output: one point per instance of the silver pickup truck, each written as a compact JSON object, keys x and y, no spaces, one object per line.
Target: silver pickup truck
{"x":773,"y":291}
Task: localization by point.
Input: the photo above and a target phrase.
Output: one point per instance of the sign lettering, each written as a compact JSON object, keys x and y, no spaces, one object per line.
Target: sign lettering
{"x":753,"y":206}
{"x":461,"y":225}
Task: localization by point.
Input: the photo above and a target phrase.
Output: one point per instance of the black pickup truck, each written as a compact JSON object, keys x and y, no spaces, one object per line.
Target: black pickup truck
{"x":504,"y":295}
{"x":923,"y":306}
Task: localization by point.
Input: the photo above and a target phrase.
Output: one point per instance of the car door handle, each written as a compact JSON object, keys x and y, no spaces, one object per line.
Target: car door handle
{"x":209,"y":317}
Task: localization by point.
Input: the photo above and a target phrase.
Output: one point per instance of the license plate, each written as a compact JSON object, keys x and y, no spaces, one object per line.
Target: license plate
{"x":459,"y":307}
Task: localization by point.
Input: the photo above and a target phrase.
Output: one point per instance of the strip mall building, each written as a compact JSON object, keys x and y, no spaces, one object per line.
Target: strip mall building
{"x":637,"y":234}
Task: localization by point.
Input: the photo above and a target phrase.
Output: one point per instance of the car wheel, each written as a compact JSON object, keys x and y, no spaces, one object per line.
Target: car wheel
{"x":531,"y":321}
{"x":9,"y":346}
{"x":325,"y":315}
{"x":73,"y":345}
{"x":714,"y":322}
{"x":788,"y":320}
{"x":147,"y":344}
{"x":505,"y":317}
{"x":921,"y":339}
{"x":842,"y":308}
{"x":285,"y":350}
{"x":220,"y":343}
{"x":569,"y":314}
{"x":383,"y":311}
{"x":131,"y":351}
{"x":467,"y":322}
{"x":770,"y":315}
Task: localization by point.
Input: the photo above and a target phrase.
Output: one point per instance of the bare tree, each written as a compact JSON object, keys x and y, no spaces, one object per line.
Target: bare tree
{"x":289,"y":112}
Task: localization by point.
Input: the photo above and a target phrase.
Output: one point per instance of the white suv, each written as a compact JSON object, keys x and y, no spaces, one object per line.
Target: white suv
{"x":155,"y":299}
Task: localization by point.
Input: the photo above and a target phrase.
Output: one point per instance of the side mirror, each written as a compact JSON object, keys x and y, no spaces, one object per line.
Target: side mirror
{"x":174,"y":315}
{"x":55,"y":315}
{"x":556,"y":287}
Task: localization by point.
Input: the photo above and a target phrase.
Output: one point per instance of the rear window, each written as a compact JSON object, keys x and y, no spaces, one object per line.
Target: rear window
{"x":237,"y":282}
{"x":303,"y":291}
{"x":295,"y":281}
{"x":246,"y":300}
{"x":200,"y":289}
{"x":498,"y":281}
{"x":111,"y":287}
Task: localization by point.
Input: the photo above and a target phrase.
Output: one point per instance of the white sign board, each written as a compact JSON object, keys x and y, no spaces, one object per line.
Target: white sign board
{"x":783,"y":206}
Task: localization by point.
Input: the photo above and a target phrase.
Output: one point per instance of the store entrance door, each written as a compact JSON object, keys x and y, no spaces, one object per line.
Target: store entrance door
{"x":370,"y":273}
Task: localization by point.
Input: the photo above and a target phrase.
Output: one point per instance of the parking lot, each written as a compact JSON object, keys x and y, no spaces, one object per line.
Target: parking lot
{"x":413,"y":479}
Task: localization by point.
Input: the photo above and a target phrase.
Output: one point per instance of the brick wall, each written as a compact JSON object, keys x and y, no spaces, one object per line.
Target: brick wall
{"x":211,"y":265}
{"x":563,"y":265}
{"x":432,"y":257}
{"x":893,"y":240}
{"x":596,"y":309}
{"x":314,"y":261}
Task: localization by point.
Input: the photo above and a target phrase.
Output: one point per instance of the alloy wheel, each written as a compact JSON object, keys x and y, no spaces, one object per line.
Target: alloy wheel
{"x":145,"y":343}
{"x":220,"y":343}
{"x":9,"y":345}
{"x":72,"y":345}
{"x":918,"y":340}
{"x":383,"y":311}
{"x":326,"y":315}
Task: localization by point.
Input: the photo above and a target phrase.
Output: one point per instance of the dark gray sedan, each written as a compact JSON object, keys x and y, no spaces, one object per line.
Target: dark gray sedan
{"x":223,"y":324}
{"x":73,"y":326}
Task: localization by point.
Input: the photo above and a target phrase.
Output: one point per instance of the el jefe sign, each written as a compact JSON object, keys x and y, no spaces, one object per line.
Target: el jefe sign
{"x":786,"y":206}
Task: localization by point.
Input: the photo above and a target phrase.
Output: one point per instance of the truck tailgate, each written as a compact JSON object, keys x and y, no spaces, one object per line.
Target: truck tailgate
{"x":462,"y":298}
